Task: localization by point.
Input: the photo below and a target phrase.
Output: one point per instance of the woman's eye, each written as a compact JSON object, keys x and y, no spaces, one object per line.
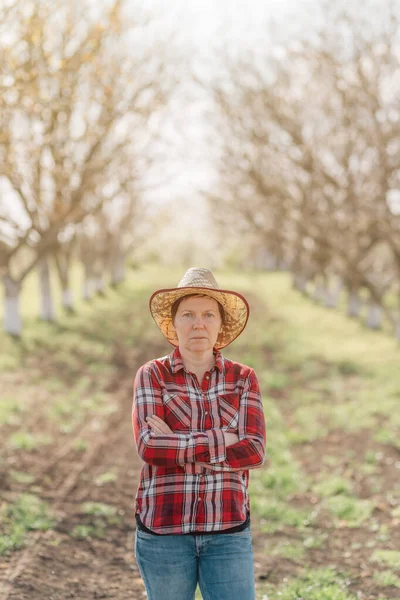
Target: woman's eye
{"x":190,"y":314}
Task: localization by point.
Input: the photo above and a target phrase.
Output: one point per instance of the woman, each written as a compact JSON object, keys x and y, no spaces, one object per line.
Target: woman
{"x":199,"y":426}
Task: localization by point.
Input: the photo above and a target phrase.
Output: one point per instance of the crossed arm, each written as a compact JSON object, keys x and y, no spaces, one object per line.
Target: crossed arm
{"x":158,"y":426}
{"x":215,"y":449}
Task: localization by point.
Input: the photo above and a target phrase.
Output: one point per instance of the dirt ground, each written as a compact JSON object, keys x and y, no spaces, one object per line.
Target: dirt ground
{"x":56,"y":566}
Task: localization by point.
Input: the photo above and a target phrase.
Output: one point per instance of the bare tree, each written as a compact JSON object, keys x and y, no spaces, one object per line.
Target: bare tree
{"x":308,"y":150}
{"x":77,"y":90}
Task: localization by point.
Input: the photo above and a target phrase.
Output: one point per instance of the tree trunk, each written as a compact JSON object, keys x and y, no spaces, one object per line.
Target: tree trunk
{"x":118,"y":270}
{"x":99,"y":284}
{"x":270,"y":262}
{"x":283,"y":265}
{"x":374,"y":315}
{"x":397,"y":321}
{"x":354,"y":304}
{"x":397,"y":329}
{"x":88,"y":288}
{"x":67,"y":300}
{"x":89,"y":283}
{"x":319,"y":291}
{"x":12,"y":317}
{"x":300,"y":282}
{"x":62,"y":266}
{"x":87,"y":292}
{"x":332,"y":295}
{"x":46,"y":300}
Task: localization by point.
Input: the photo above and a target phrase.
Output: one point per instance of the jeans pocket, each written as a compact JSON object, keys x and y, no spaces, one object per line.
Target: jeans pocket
{"x":143,"y":534}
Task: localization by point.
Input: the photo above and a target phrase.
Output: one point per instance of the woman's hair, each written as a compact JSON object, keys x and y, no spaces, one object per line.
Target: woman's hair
{"x":174,"y":307}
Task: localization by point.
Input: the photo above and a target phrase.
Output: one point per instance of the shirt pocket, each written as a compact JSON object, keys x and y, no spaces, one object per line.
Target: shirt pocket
{"x":178,"y":412}
{"x":228,"y":408}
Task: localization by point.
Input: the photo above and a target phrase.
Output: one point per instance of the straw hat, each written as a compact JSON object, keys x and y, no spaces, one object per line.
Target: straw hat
{"x":201,"y":281}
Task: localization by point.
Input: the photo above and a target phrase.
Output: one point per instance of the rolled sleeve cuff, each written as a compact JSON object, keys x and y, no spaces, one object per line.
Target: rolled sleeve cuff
{"x":216,"y":444}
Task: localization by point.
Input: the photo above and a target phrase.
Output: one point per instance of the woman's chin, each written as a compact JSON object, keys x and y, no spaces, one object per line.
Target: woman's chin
{"x":202,"y":344}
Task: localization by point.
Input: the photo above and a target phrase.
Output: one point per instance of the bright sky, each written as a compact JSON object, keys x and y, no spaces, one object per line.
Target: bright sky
{"x":199,"y":28}
{"x":204,"y":26}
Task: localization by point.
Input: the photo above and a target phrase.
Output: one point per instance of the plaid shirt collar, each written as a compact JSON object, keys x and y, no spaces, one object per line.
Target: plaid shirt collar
{"x":176,"y":362}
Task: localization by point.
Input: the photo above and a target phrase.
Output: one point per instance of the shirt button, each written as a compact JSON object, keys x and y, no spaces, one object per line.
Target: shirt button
{"x":206,"y":412}
{"x":207,"y":377}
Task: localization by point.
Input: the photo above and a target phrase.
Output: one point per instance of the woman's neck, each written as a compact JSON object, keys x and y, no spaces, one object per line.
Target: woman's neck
{"x":198,"y":361}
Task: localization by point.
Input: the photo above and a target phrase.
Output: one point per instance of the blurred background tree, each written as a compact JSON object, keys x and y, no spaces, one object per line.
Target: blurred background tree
{"x":77,"y":93}
{"x":113,"y":132}
{"x":308,"y":146}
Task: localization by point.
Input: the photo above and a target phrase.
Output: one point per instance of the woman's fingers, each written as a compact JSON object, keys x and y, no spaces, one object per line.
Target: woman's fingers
{"x":155,"y":421}
{"x":154,"y":426}
{"x":155,"y":418}
{"x":158,"y":425}
{"x":155,"y":429}
{"x":206,"y":465}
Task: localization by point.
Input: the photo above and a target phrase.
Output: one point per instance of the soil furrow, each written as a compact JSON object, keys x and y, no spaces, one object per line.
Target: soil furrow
{"x":55,"y":564}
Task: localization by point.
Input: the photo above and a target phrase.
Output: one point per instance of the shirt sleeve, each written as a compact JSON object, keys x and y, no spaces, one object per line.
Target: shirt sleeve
{"x":169,"y":449}
{"x":249,"y":451}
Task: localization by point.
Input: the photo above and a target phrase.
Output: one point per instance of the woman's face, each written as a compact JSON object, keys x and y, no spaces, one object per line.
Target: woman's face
{"x":197,"y":323}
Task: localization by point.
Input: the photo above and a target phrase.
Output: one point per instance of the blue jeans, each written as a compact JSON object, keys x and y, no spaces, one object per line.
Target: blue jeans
{"x":172,"y":565}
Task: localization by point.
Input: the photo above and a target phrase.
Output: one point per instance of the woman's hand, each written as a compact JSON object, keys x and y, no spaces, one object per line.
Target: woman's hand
{"x":158,"y":425}
{"x":230,"y":438}
{"x":205,"y":465}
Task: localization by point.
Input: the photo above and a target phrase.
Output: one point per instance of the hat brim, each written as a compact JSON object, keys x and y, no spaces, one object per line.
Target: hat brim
{"x":236,"y":309}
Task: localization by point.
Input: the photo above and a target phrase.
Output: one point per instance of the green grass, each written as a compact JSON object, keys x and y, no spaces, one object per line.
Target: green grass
{"x":100,"y":517}
{"x":67,"y":366}
{"x":387,"y":578}
{"x":273,"y":380}
{"x":21,"y":477}
{"x":332,"y":485}
{"x":325,"y":332}
{"x":326,"y":583}
{"x":11,"y":411}
{"x":342,"y":376}
{"x":99,"y":509}
{"x":323,"y":371}
{"x":317,"y":584}
{"x":349,"y":511}
{"x":22,"y":440}
{"x":107,"y":477}
{"x":315,"y":540}
{"x":72,"y":409}
{"x":80,"y":445}
{"x":289,"y":550}
{"x":27,"y":513}
{"x":389,"y":558}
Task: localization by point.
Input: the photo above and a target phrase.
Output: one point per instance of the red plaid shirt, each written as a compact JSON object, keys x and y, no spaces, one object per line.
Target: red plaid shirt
{"x":175,"y":494}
